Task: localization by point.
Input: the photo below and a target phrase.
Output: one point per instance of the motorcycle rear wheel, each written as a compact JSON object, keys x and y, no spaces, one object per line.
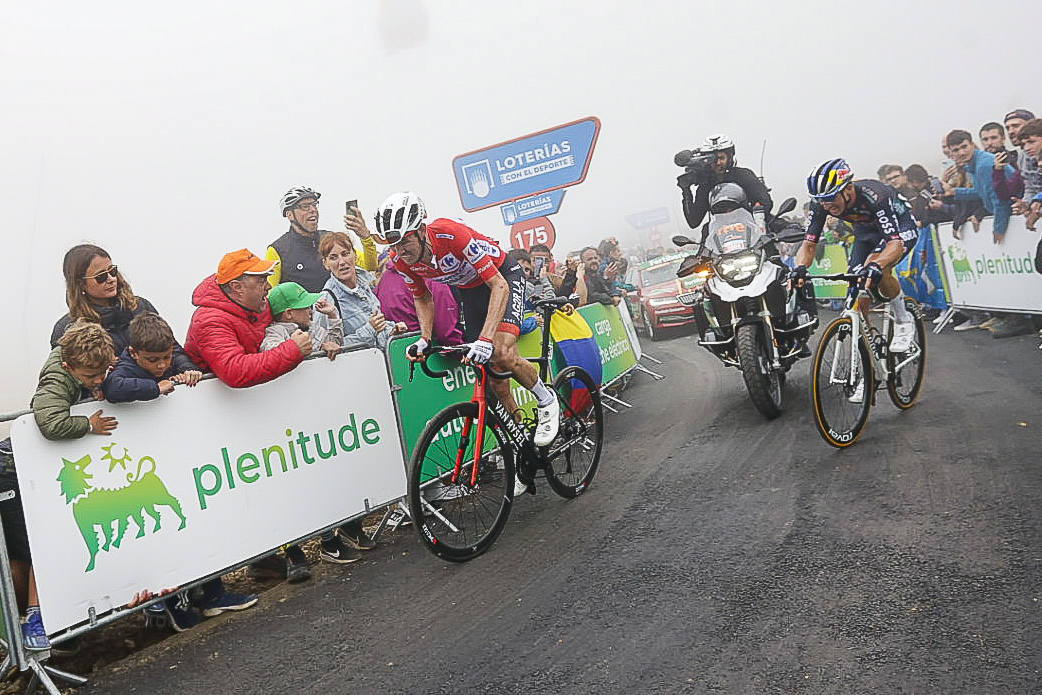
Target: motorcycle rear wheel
{"x":763,"y":383}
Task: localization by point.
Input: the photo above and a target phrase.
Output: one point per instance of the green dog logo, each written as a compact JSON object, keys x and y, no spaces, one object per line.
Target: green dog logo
{"x":960,"y":265}
{"x":98,"y":507}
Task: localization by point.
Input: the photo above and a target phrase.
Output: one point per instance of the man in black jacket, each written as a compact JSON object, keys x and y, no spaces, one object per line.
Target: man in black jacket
{"x":597,"y":289}
{"x":721,"y":170}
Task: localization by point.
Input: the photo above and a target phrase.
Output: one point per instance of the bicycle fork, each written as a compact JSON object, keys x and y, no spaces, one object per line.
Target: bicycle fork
{"x":479,"y":437}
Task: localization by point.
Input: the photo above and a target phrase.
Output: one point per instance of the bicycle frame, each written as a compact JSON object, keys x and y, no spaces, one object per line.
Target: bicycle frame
{"x":859,"y":328}
{"x":522,"y":439}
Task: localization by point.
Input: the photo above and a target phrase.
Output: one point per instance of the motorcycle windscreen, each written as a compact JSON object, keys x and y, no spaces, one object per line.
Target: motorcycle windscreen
{"x":732,"y":231}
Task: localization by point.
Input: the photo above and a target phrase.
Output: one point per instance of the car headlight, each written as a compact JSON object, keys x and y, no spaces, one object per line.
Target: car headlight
{"x":662,"y":301}
{"x":740,"y":266}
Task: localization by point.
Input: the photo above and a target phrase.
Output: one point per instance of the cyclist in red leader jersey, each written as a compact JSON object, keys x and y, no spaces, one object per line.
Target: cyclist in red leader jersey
{"x":490,"y":288}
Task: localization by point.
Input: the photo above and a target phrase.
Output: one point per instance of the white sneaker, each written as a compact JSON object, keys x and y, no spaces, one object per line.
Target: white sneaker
{"x":859,"y":392}
{"x":519,"y":487}
{"x":904,"y":333}
{"x":549,"y":418}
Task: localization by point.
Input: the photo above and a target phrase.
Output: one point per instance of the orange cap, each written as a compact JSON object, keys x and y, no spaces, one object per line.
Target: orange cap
{"x":242,"y":262}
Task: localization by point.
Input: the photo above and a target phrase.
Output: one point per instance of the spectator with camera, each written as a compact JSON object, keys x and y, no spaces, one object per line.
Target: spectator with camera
{"x":712,"y":163}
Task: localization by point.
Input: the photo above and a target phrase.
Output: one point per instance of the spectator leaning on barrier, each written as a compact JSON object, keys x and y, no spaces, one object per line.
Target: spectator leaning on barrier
{"x":1031,"y":141}
{"x":597,"y":289}
{"x":291,"y":311}
{"x":350,"y":289}
{"x":228,"y":325}
{"x":147,"y":369}
{"x":979,"y":164}
{"x":149,"y":366}
{"x":95,"y":290}
{"x":74,"y":370}
{"x":297,"y":249}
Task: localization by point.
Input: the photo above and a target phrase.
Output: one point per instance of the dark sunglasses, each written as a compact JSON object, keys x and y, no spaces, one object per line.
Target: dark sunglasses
{"x":102,"y":277}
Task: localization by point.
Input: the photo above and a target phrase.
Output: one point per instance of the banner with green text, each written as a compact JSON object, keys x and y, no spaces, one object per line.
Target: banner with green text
{"x":203,"y":478}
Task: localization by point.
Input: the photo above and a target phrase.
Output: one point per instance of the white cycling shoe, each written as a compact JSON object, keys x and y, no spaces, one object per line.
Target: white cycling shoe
{"x":904,"y":334}
{"x":548,"y":422}
{"x":859,"y":392}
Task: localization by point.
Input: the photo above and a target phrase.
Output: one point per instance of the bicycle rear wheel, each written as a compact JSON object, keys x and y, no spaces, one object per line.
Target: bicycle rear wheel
{"x":458,"y":521}
{"x":908,"y":368}
{"x":576,"y":452}
{"x":837,"y":414}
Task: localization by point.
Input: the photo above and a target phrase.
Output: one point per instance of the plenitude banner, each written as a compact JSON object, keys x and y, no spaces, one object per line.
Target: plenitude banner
{"x":203,"y":478}
{"x":833,"y":260}
{"x":985,"y":275}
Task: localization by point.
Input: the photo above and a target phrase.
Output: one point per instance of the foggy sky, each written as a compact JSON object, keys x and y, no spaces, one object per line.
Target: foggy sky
{"x":167,"y":133}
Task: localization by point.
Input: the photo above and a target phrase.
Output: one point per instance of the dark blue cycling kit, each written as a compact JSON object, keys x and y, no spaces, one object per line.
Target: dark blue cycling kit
{"x":879,"y":215}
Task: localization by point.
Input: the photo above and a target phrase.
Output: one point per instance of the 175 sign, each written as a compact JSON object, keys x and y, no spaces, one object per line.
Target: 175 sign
{"x":538,"y":230}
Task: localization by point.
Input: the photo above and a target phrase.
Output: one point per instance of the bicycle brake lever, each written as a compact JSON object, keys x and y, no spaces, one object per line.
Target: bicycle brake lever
{"x":412,"y":370}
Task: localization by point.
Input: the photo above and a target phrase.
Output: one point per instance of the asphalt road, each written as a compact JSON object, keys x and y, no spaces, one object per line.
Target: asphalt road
{"x":716,"y":552}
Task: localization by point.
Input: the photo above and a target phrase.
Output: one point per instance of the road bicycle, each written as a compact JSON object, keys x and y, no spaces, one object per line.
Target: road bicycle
{"x":461,"y":476}
{"x":853,"y":361}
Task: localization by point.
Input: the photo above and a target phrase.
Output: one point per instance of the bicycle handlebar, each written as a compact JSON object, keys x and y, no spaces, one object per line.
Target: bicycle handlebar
{"x":451,"y":350}
{"x":847,"y":277}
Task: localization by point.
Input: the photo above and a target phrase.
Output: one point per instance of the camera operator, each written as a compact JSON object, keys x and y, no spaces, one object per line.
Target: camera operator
{"x":712,"y":163}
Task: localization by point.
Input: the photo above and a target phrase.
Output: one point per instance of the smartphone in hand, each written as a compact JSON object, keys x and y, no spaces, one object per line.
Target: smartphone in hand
{"x":351,"y":205}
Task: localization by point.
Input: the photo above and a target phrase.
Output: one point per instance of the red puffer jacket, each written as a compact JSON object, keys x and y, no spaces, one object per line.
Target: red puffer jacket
{"x":224,"y":338}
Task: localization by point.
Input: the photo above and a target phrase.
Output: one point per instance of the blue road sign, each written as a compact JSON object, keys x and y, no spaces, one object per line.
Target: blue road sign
{"x":649,"y":218}
{"x":537,"y":206}
{"x":532,"y":164}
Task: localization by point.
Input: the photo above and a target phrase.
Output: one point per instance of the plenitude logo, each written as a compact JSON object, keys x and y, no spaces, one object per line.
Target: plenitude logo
{"x":249,"y":467}
{"x":96,"y":509}
{"x":104,"y":502}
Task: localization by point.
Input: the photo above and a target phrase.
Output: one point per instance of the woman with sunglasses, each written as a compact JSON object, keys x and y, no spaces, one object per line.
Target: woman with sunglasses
{"x":95,"y":290}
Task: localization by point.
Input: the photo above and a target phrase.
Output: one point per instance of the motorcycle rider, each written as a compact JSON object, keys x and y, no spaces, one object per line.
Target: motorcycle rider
{"x":718,"y":152}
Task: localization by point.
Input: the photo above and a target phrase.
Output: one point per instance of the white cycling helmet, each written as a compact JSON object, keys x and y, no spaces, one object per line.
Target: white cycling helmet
{"x":400,"y":214}
{"x":717,"y":143}
{"x":295,"y":195}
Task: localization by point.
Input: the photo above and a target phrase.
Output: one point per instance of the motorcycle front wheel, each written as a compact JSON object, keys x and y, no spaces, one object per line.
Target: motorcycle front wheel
{"x":763,"y":383}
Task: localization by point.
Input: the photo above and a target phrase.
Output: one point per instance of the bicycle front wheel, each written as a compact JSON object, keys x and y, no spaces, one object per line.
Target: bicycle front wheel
{"x":907,"y":368}
{"x":457,"y":518}
{"x":842,"y":384}
{"x":576,"y":452}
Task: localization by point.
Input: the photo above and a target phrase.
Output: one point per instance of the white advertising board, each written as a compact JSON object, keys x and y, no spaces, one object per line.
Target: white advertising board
{"x":631,"y":332}
{"x":203,"y":478}
{"x":985,"y":275}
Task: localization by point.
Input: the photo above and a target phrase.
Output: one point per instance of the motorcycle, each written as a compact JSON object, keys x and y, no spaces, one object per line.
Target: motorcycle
{"x":745,"y":315}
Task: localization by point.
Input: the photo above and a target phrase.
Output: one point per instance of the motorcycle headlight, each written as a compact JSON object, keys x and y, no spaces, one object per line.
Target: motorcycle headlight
{"x":662,"y":301}
{"x":740,"y":266}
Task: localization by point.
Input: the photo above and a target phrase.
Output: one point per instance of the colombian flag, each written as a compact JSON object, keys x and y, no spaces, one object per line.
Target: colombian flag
{"x":576,"y":346}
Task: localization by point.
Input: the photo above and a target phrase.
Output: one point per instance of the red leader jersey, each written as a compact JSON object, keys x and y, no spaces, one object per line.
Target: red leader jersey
{"x":460,"y":257}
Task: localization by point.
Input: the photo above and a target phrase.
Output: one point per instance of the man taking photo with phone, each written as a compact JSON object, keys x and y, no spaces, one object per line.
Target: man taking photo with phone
{"x":297,"y":250}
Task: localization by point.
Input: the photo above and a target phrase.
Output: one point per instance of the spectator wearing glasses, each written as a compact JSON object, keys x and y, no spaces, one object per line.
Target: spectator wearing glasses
{"x":893,"y":175}
{"x":297,"y":250}
{"x":95,"y":290}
